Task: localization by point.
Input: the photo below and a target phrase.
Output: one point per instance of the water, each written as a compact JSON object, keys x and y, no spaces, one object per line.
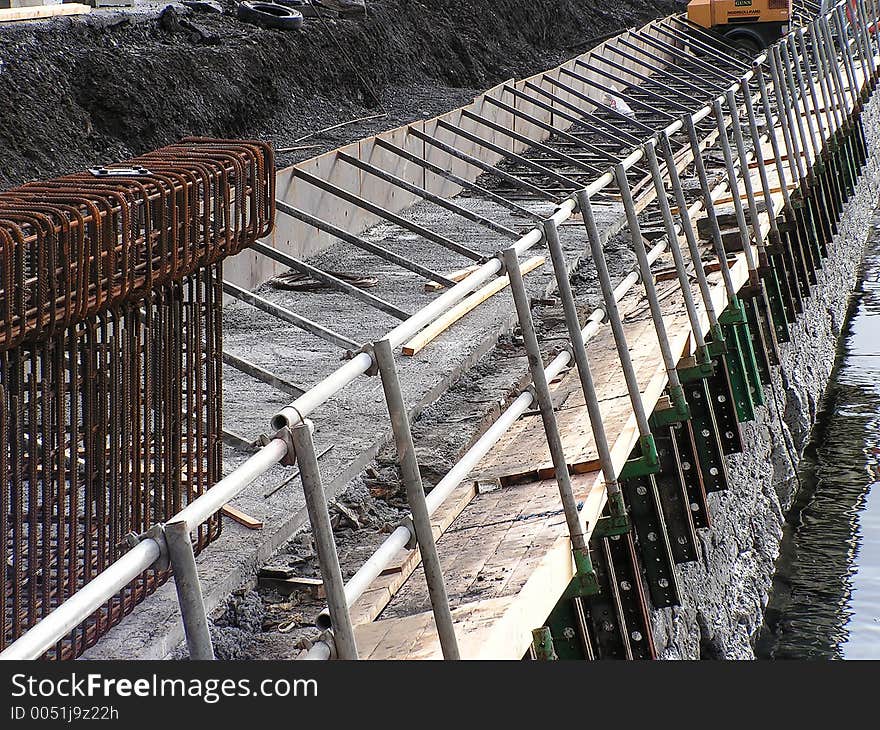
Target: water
{"x":825,"y":602}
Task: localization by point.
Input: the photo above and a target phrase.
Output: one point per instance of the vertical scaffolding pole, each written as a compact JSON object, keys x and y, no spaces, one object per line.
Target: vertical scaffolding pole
{"x":415,"y":495}
{"x":646,"y":439}
{"x":762,"y":320}
{"x":703,"y":356}
{"x":676,"y":394}
{"x":689,"y":234}
{"x":548,"y":414}
{"x":737,"y":345}
{"x":579,"y":352}
{"x":325,"y":546}
{"x":189,"y":591}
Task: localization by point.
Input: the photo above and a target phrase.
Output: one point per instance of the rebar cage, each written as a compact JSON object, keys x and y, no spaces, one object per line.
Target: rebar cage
{"x":111,"y":365}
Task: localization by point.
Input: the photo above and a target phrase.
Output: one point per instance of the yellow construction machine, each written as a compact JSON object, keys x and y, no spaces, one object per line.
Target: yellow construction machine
{"x":749,"y":24}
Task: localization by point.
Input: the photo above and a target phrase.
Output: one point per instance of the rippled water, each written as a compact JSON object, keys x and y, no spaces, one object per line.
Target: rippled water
{"x":825,"y":602}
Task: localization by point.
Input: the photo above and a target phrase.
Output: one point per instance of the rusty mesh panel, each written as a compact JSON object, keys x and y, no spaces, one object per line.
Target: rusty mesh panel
{"x":111,"y":365}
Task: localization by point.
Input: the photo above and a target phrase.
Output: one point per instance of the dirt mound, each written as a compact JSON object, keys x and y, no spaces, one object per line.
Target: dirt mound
{"x":110,"y":85}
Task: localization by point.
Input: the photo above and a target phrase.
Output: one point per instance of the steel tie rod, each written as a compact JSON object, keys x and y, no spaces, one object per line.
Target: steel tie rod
{"x":792,"y":148}
{"x":546,"y":149}
{"x":712,"y":39}
{"x":626,"y":119}
{"x":484,"y":166}
{"x":307,"y":325}
{"x":771,"y":122}
{"x":512,"y":156}
{"x":258,"y":373}
{"x":580,"y":121}
{"x":328,"y":559}
{"x":657,"y":70}
{"x":652,"y":78}
{"x":617,"y":91}
{"x":582,"y":360}
{"x":817,"y":60}
{"x":617,"y":135}
{"x":795,"y":104}
{"x":805,"y":101}
{"x":762,"y":168}
{"x":372,"y":248}
{"x":456,"y":179}
{"x":740,"y":57}
{"x":723,"y":79}
{"x":415,"y":496}
{"x":860,"y":31}
{"x":330,"y":280}
{"x":834,"y":86}
{"x":378,"y":210}
{"x":545,"y":404}
{"x":746,"y":175}
{"x":561,"y":133}
{"x":428,"y":195}
{"x":671,"y":70}
{"x":710,"y":49}
{"x":733,"y":186}
{"x":843,"y":43}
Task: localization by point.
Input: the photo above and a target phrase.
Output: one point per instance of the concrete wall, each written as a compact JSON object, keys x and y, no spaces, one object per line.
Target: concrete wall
{"x":250,"y":269}
{"x":724,"y":596}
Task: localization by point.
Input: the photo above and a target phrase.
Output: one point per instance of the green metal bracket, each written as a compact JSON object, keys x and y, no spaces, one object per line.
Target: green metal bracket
{"x":735,"y":313}
{"x":718,"y":344}
{"x":777,"y":302}
{"x":585,"y":583}
{"x":617,"y":521}
{"x":700,"y":370}
{"x":542,"y":643}
{"x":731,"y":320}
{"x":611,"y":525}
{"x":647,"y":463}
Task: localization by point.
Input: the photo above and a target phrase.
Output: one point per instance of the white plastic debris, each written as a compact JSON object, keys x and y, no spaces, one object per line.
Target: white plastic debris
{"x":615,"y":102}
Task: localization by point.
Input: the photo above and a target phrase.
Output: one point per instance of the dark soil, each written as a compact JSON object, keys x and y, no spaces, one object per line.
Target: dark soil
{"x":104,"y":87}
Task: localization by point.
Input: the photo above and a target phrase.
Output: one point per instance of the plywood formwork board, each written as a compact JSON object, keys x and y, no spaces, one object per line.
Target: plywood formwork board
{"x":525,"y":127}
{"x":378,"y":191}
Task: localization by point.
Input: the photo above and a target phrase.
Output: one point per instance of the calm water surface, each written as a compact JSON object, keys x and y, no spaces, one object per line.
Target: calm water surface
{"x":825,"y":602}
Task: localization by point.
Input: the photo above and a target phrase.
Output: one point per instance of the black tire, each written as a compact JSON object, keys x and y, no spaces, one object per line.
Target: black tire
{"x":746,"y":40}
{"x":269,"y":15}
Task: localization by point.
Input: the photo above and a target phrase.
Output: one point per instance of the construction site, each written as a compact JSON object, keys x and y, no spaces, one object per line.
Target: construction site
{"x":400,"y":330}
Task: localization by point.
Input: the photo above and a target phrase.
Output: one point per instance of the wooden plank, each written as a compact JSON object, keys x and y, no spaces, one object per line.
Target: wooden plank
{"x":242,"y":518}
{"x":457,"y":275}
{"x":8,"y":15}
{"x":445,"y":321}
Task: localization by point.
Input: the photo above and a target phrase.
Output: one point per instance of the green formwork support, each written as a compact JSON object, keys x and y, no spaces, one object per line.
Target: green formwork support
{"x":803,"y":215}
{"x":781,"y":260}
{"x":544,"y":645}
{"x":759,"y":345}
{"x":819,"y":221}
{"x":566,"y":627}
{"x":741,"y":363}
{"x":780,"y":304}
{"x":790,"y":232}
{"x":646,"y":463}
